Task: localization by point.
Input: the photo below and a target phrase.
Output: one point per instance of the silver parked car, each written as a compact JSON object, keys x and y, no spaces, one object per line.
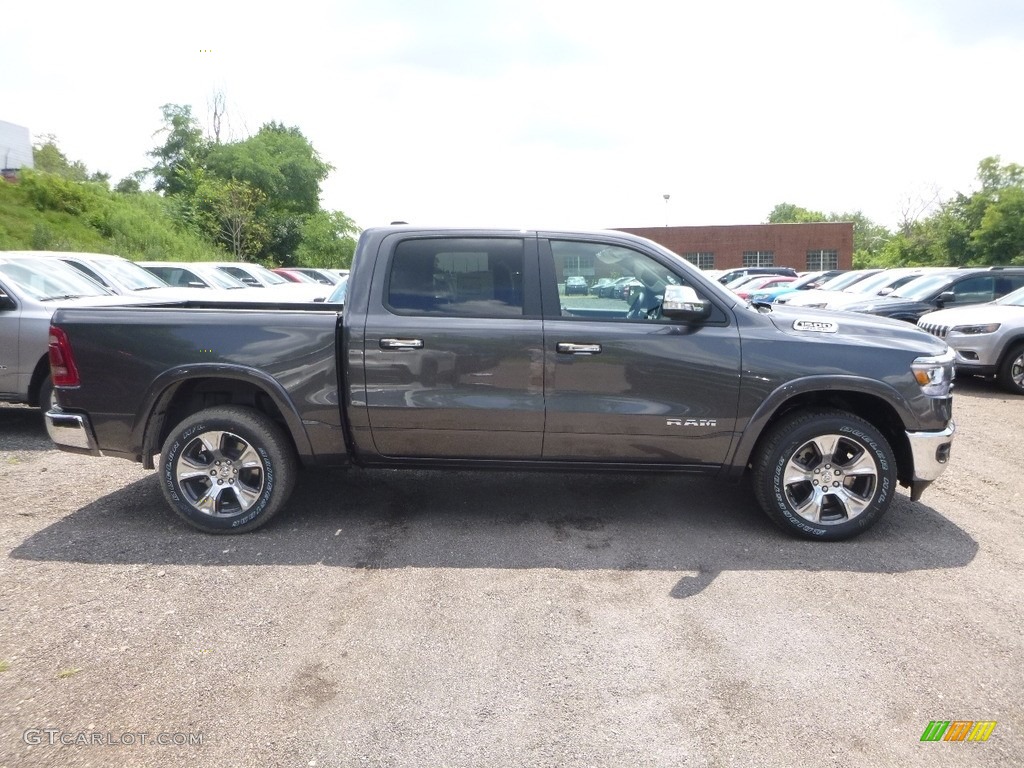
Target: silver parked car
{"x":31,"y":288}
{"x":988,"y":338}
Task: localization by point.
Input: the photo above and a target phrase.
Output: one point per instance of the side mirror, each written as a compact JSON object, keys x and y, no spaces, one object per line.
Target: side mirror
{"x":196,"y":284}
{"x":681,"y":302}
{"x":6,"y":302}
{"x":946,"y":297}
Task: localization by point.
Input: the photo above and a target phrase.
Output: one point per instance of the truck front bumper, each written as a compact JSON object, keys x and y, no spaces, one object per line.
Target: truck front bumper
{"x":931,"y":457}
{"x":71,"y":432}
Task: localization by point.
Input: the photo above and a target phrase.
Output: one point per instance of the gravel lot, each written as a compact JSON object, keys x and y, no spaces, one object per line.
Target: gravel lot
{"x":479,"y":619}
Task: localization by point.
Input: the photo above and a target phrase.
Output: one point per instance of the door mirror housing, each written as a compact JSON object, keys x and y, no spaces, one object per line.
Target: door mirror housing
{"x":681,"y":302}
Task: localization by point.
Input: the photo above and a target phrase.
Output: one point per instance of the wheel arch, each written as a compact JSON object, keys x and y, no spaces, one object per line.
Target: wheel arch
{"x":181,"y":392}
{"x":880,"y":406}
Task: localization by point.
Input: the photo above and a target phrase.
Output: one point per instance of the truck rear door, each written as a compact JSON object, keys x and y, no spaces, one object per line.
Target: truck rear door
{"x":453,"y":356}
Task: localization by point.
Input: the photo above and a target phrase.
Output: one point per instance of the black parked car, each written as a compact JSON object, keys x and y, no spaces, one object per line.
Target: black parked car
{"x":971,"y":285}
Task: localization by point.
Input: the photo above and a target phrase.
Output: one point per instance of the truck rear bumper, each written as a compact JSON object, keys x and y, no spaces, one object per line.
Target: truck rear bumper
{"x":931,"y":457}
{"x":71,"y":432}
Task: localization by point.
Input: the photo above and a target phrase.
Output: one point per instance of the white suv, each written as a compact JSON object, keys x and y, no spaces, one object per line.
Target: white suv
{"x":988,"y":338}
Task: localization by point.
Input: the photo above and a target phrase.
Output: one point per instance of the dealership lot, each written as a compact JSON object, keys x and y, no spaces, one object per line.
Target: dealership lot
{"x":464,"y":619}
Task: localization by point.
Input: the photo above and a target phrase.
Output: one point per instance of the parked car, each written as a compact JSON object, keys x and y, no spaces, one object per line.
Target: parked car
{"x":803,"y":283}
{"x":729,"y":275}
{"x":116,"y":274}
{"x":988,"y":338}
{"x":576,"y":285}
{"x":595,"y":289}
{"x":837,"y":283}
{"x":607,"y":291}
{"x":746,"y":289}
{"x":624,"y":289}
{"x":258,"y":276}
{"x":31,"y":289}
{"x":973,"y":285}
{"x":192,"y":274}
{"x":880,"y":284}
{"x":293,"y":275}
{"x":325,"y":276}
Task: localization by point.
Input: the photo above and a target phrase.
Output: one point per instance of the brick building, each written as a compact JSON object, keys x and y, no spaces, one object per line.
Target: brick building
{"x":812,"y":246}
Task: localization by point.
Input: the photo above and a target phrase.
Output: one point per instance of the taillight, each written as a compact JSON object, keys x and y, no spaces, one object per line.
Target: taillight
{"x":62,"y":363}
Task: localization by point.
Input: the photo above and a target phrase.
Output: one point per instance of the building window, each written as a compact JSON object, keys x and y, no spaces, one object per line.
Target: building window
{"x":759,"y":258}
{"x":701,"y":259}
{"x":819,"y":261}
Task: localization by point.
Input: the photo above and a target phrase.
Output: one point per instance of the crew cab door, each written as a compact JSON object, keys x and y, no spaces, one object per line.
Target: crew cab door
{"x":453,"y":354}
{"x":623,"y":384}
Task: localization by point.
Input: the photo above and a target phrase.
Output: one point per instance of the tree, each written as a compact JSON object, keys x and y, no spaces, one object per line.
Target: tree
{"x":787,"y":213}
{"x":328,"y":240}
{"x":47,"y":158}
{"x":282,"y":164}
{"x":184,"y":147}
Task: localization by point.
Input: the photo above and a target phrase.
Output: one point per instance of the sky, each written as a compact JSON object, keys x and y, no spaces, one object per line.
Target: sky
{"x":549,"y":113}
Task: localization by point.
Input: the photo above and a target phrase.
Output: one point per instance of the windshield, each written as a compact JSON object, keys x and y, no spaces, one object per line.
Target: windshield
{"x":127,"y":274}
{"x":338,"y":294}
{"x":919,"y":289}
{"x":872,"y":284}
{"x":50,"y":279}
{"x":1015,"y":299}
{"x":839,"y":282}
{"x":220,"y":279}
{"x":264,"y":275}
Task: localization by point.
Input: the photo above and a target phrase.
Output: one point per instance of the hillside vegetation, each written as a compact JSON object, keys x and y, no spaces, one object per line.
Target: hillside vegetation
{"x":44,"y":211}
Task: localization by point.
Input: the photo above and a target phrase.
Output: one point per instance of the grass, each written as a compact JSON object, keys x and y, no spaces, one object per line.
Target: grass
{"x":4,"y":665}
{"x":68,"y":672}
{"x":45,"y":212}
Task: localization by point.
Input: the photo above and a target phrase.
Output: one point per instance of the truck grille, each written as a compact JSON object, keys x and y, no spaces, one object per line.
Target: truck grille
{"x":934,"y":330}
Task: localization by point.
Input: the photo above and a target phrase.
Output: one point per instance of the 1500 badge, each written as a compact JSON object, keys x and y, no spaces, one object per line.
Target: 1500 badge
{"x":691,"y":422}
{"x":818,"y":326}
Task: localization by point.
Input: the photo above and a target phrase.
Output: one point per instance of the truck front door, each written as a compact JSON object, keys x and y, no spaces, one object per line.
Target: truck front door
{"x":453,"y":355}
{"x":624,"y":384}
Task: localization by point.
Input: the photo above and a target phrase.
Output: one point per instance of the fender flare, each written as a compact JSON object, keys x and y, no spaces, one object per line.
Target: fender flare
{"x":149,"y":422}
{"x":754,"y":428}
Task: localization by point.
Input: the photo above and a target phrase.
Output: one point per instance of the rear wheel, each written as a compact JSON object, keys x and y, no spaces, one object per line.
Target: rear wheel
{"x":227,"y":469}
{"x":824,"y":475}
{"x":1011,"y":371}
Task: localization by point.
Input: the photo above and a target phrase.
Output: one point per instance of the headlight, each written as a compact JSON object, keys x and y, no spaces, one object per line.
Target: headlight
{"x":975,"y":329}
{"x":935,"y":374}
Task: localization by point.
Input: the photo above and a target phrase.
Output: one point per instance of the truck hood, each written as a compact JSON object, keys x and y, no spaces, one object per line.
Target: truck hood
{"x":881,"y":305}
{"x":804,"y":322}
{"x":976,"y":314}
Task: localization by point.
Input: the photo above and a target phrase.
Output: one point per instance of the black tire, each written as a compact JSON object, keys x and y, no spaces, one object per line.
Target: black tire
{"x":1011,"y":371}
{"x":46,"y":400}
{"x":203,"y":479}
{"x":791,"y":465}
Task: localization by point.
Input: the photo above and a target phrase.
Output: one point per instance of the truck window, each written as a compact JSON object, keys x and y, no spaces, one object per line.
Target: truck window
{"x":598,"y":281}
{"x":461,"y":277}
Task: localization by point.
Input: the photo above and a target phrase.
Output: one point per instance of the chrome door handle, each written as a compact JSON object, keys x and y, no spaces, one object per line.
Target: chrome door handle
{"x":568,"y":348}
{"x":401,"y":343}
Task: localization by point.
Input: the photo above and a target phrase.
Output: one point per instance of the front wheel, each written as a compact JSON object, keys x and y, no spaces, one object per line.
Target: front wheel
{"x":1011,"y":371}
{"x":227,"y":469}
{"x":825,"y":475}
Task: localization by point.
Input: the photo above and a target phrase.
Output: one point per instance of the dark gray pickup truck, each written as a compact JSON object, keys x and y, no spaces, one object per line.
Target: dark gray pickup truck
{"x":459,"y":349}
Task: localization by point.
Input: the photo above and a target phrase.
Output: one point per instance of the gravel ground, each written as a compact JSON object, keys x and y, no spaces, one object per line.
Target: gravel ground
{"x":480,"y":619}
